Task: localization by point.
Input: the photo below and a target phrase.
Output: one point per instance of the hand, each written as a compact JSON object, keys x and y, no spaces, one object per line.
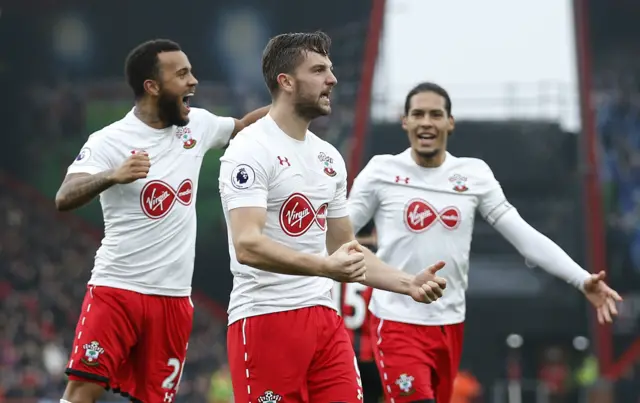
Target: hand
{"x":133,"y":168}
{"x":346,"y":265}
{"x":426,"y":287}
{"x":602,"y":297}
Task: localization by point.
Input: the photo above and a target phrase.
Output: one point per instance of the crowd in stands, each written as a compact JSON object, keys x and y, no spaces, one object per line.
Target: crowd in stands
{"x":617,"y":97}
{"x":45,"y":262}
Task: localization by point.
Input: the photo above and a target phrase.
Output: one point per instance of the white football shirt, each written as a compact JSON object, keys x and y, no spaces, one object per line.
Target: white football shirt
{"x":300,"y":184}
{"x":423,"y":215}
{"x":150,"y":224}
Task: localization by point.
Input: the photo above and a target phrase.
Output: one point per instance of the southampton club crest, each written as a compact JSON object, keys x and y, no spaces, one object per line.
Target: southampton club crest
{"x":459,"y":183}
{"x":405,"y":383}
{"x":92,"y":352}
{"x":269,"y":397}
{"x":184,"y":134}
{"x":327,"y":163}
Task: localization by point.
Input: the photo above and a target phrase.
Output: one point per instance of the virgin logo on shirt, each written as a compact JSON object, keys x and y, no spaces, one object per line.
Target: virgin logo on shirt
{"x":420,"y":216}
{"x":297,"y":215}
{"x":157,"y":197}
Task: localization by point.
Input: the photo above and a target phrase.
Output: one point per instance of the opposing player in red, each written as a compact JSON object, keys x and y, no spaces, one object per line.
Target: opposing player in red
{"x":423,"y":202}
{"x":283,"y":191}
{"x":136,"y":317}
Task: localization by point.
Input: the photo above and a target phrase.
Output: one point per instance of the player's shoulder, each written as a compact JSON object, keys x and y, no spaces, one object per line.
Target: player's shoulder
{"x":380,"y":165}
{"x":253,"y":137}
{"x":114,"y":131}
{"x":257,"y":131}
{"x":474,"y":171}
{"x":195,"y":112}
{"x":250,"y":141}
{"x":381,"y":160}
{"x":203,"y":120}
{"x":471,"y":164}
{"x":198,"y":115}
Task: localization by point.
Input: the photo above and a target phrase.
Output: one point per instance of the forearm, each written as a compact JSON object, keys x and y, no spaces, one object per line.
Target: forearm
{"x":384,"y":277}
{"x":550,"y":257}
{"x":80,"y":191}
{"x":540,"y":250}
{"x":266,"y":254}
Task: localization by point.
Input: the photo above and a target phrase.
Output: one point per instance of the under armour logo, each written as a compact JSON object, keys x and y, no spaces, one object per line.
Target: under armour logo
{"x":284,"y":160}
{"x":168,"y":397}
{"x":399,"y":179}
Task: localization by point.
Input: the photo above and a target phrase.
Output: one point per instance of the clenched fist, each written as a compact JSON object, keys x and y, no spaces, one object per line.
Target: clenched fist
{"x":133,"y":168}
{"x":346,"y":265}
{"x":427,"y":287}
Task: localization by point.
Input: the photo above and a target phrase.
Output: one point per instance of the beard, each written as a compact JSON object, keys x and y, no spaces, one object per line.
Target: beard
{"x":308,"y":106}
{"x":169,"y":109}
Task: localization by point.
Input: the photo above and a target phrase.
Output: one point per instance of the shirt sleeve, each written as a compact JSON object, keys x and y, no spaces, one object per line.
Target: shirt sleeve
{"x":244,"y":176}
{"x":93,"y":157}
{"x":338,"y":206}
{"x":540,"y":250}
{"x":218,"y":130}
{"x":493,"y":203}
{"x":363,"y":198}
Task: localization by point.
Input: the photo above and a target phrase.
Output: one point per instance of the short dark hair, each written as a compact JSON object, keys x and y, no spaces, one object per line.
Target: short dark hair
{"x":285,"y":52}
{"x":428,"y":87}
{"x":142,"y":63}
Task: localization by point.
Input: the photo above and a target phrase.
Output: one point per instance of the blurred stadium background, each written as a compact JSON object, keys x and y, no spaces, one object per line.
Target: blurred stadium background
{"x":529,"y":338}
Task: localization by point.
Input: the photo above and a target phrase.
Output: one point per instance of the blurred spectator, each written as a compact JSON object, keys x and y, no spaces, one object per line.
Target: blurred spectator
{"x":221,"y":389}
{"x":555,"y":373}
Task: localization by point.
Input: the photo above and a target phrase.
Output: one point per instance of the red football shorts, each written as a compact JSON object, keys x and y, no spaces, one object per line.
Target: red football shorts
{"x":303,"y":355}
{"x":132,"y":343}
{"x":417,"y":362}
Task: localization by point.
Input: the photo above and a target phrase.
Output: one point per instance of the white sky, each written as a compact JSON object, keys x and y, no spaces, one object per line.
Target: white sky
{"x":497,"y":58}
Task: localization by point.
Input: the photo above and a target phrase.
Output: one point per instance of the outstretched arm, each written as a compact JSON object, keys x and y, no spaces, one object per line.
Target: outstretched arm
{"x":543,"y":252}
{"x":540,"y":250}
{"x":426,"y":287}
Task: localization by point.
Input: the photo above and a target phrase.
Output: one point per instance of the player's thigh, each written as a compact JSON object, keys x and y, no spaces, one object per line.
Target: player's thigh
{"x":270,"y":355}
{"x":449,"y":362}
{"x":334,"y":375}
{"x":406,"y":362}
{"x":159,"y":358}
{"x":107,"y":330}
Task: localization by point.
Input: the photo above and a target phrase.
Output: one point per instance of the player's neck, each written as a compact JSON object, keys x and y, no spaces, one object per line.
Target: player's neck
{"x":292,"y":124}
{"x":148,"y":114}
{"x":429,"y":162}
